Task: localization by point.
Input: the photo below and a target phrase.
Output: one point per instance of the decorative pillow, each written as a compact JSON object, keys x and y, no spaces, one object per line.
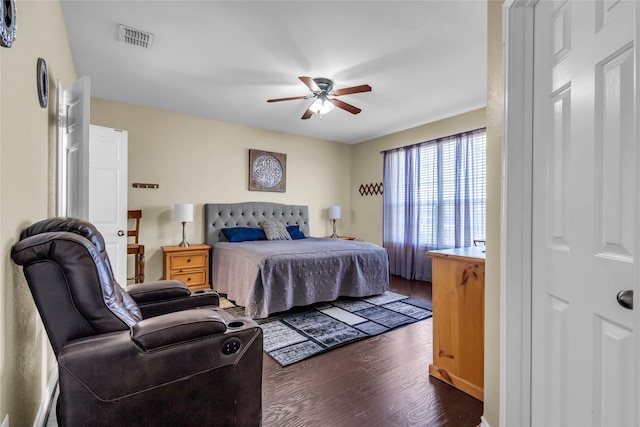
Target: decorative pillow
{"x":244,"y":234}
{"x":295,"y":233}
{"x":275,"y":230}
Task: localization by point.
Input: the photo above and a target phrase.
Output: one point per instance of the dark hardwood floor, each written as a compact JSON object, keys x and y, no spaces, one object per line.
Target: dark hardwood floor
{"x":382,"y":381}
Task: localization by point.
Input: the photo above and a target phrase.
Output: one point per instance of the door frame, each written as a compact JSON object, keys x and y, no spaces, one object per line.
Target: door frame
{"x":516,"y":217}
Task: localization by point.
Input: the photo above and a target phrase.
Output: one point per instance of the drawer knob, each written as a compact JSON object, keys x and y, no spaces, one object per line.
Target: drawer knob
{"x":188,"y":259}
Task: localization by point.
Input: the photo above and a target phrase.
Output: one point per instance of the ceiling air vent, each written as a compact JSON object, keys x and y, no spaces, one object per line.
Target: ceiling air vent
{"x":135,"y":37}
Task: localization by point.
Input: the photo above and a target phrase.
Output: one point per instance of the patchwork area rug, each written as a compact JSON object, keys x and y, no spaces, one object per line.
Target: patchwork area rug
{"x":300,"y":333}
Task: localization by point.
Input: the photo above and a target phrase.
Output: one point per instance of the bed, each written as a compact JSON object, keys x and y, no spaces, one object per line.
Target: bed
{"x":270,"y":276}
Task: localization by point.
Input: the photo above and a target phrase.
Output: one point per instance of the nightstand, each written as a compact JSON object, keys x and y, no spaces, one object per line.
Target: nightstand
{"x":187,"y":264}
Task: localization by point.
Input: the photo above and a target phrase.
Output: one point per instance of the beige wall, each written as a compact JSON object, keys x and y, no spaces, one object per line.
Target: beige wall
{"x":197,"y":160}
{"x":366,"y":167}
{"x":27,"y":141}
{"x":494,"y":191}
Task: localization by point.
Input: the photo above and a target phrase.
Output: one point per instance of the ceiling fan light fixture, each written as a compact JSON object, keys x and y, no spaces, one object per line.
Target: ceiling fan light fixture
{"x":321,"y":89}
{"x":322,"y":105}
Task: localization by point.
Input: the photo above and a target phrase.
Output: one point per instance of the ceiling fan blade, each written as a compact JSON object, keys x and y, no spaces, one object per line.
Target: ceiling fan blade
{"x":307,"y":114}
{"x":348,"y":107}
{"x":310,"y":83}
{"x":287,"y":99}
{"x":354,"y":89}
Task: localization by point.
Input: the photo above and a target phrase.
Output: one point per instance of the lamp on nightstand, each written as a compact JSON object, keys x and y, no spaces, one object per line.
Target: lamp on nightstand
{"x":334,"y":213}
{"x":183,"y":212}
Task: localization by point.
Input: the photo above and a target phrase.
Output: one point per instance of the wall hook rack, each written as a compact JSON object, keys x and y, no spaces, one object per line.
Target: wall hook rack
{"x":141,"y":185}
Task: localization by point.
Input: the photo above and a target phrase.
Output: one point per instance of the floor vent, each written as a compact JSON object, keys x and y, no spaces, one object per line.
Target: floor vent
{"x":135,"y":37}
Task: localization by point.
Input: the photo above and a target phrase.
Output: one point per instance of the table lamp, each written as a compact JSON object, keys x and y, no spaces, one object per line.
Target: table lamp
{"x":183,"y":212}
{"x":334,"y":213}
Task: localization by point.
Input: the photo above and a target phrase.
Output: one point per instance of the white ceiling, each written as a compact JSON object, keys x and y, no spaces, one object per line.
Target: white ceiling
{"x":425,"y":60}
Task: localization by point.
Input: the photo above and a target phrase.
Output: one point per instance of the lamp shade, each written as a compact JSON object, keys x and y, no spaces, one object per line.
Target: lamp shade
{"x":334,"y":212}
{"x":183,"y":212}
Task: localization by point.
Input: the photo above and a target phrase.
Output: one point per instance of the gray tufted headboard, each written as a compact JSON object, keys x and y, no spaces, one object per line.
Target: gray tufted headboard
{"x":224,"y":215}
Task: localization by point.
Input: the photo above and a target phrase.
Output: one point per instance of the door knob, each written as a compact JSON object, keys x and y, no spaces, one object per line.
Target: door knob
{"x":625,"y":299}
{"x":120,"y":233}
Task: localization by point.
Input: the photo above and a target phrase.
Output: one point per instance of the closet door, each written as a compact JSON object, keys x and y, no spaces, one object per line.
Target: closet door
{"x":585,"y":215}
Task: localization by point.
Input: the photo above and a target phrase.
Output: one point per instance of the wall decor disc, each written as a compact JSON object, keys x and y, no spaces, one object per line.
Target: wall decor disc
{"x":8,"y":25}
{"x":43,"y":82}
{"x":267,"y":171}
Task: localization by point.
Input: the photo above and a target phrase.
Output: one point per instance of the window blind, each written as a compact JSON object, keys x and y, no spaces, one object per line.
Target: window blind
{"x":434,"y":198}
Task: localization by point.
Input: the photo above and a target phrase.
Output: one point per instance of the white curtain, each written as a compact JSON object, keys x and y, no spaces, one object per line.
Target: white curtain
{"x":434,"y":198}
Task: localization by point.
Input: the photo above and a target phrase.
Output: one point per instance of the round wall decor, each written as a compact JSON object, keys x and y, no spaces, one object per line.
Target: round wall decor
{"x":7,"y":22}
{"x":43,"y":83}
{"x":267,"y":171}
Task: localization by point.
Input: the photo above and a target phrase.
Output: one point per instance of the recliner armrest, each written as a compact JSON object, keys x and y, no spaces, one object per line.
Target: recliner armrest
{"x":168,"y":296}
{"x":162,"y":331}
{"x":160,"y":290}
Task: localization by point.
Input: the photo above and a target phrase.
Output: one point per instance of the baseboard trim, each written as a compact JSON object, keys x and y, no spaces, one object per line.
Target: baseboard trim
{"x":483,"y":422}
{"x":47,"y":400}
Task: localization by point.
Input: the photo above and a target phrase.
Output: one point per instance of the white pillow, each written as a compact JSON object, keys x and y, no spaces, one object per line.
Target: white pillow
{"x":275,"y":230}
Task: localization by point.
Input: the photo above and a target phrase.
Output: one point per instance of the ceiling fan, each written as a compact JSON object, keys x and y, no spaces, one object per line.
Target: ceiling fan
{"x":324,"y":96}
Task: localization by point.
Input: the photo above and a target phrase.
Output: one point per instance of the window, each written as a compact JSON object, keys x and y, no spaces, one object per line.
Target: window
{"x":434,"y":198}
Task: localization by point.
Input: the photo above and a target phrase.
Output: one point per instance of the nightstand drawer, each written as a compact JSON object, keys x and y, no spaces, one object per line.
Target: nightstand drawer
{"x":190,"y":278}
{"x":197,"y":260}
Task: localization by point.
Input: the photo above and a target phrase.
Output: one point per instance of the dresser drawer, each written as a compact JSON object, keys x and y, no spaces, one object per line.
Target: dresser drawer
{"x":196,"y":260}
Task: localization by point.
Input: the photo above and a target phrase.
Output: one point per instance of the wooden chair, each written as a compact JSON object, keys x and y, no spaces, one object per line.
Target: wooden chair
{"x":136,"y":248}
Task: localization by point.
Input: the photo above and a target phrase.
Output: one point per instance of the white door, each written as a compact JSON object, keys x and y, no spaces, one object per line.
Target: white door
{"x":92,"y":173}
{"x":73,"y":130}
{"x":108,"y":193}
{"x":585,"y":215}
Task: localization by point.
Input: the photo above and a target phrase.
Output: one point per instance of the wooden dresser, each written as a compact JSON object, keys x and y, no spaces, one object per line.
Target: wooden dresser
{"x":189,"y":265}
{"x":458,"y":318}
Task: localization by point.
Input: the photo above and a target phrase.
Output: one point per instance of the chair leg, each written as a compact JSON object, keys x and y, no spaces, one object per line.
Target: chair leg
{"x":141,"y":275}
{"x":139,"y":261}
{"x":136,"y":274}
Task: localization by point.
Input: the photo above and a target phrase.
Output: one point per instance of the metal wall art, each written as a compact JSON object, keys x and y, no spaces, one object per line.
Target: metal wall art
{"x":267,"y":171}
{"x":7,"y":22}
{"x":370,"y":189}
{"x":43,"y":82}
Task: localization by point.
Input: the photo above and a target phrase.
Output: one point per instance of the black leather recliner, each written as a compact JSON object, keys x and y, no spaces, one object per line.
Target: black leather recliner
{"x":157,"y":355}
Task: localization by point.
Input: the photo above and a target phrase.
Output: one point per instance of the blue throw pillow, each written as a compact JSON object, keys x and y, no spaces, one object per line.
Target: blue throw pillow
{"x":244,"y":234}
{"x":295,"y":233}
